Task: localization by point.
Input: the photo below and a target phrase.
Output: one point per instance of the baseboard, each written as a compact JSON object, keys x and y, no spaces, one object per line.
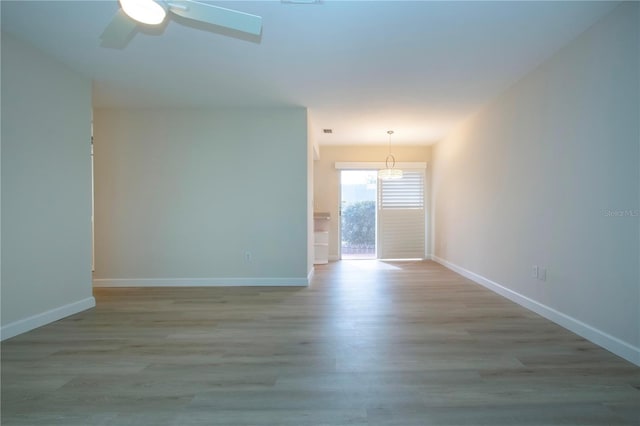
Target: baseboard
{"x":599,"y":337}
{"x":310,"y":275}
{"x":201,"y":282}
{"x":44,"y":318}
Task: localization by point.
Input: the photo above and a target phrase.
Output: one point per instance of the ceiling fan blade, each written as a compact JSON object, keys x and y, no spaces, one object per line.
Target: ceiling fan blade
{"x":119,"y":32}
{"x":216,"y":15}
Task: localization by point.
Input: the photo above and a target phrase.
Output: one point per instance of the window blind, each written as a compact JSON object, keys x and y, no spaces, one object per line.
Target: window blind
{"x":405,"y":193}
{"x":401,"y":217}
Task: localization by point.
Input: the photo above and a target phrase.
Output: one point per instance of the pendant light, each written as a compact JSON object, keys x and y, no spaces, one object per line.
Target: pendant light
{"x":390,"y":172}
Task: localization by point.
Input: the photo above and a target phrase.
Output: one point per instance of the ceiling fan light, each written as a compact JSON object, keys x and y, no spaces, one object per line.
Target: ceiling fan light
{"x":145,"y":11}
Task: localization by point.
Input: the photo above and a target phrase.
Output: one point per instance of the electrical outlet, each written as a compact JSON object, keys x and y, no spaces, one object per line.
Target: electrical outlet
{"x":247,"y":256}
{"x":542,"y":274}
{"x":534,"y":271}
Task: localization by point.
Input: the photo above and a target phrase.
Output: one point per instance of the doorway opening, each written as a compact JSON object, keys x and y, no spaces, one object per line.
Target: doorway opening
{"x":358,"y":219}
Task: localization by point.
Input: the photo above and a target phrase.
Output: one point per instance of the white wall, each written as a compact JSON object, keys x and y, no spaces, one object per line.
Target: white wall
{"x":327,"y":179}
{"x":183,"y":194}
{"x":532,"y":179}
{"x":310,"y":235}
{"x":46,"y":189}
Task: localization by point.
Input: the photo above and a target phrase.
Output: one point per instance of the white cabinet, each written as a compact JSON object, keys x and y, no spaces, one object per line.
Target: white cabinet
{"x":321,"y":238}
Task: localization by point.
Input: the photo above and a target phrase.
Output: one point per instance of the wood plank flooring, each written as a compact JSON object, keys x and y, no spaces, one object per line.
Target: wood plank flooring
{"x":369,"y":343}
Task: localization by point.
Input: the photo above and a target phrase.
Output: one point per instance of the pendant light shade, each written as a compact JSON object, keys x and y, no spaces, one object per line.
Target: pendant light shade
{"x":390,"y":172}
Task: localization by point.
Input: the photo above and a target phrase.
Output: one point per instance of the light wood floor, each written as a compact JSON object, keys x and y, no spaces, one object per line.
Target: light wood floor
{"x":369,"y":343}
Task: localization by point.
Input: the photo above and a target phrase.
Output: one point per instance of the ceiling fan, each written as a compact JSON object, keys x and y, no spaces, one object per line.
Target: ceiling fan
{"x":132,"y":13}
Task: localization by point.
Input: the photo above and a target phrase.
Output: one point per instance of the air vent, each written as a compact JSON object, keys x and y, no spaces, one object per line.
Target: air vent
{"x":327,"y":131}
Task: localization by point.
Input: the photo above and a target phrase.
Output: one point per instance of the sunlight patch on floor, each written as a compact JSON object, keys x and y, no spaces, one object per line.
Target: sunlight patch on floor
{"x":371,"y":265}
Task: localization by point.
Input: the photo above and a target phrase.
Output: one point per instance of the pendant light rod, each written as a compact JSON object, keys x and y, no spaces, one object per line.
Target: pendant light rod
{"x":390,"y":172}
{"x":389,"y":154}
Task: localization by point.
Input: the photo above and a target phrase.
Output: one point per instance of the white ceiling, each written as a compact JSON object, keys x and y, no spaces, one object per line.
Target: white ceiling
{"x":360,"y":67}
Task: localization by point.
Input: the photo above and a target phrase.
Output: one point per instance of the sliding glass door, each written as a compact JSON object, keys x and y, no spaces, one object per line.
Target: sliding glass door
{"x":358,"y":214}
